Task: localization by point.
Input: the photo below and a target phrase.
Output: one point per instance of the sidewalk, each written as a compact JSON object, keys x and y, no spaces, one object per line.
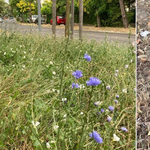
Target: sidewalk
{"x":92,"y":28}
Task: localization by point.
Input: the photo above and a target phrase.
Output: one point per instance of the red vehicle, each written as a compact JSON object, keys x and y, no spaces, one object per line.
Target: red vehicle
{"x":60,"y":20}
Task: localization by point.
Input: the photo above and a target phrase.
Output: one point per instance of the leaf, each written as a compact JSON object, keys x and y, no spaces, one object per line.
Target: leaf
{"x":36,"y":143}
{"x":139,"y":110}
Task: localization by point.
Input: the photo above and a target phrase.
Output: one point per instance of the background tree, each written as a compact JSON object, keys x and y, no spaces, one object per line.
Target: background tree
{"x":80,"y":19}
{"x":47,"y":9}
{"x":25,"y":8}
{"x":67,"y":18}
{"x":123,"y":13}
{"x":72,"y":18}
{"x":54,"y":18}
{"x":4,"y":8}
{"x":31,"y":8}
{"x":14,"y":9}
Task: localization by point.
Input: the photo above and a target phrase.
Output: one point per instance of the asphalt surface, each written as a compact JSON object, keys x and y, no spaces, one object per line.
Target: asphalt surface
{"x":12,"y":25}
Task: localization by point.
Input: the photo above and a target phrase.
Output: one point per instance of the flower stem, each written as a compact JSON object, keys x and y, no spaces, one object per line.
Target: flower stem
{"x":90,"y":98}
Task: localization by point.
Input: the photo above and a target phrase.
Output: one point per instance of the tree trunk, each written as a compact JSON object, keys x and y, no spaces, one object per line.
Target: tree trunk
{"x":98,"y":21}
{"x":54,"y":18}
{"x":123,"y":13}
{"x":72,"y":18}
{"x":67,"y":18}
{"x":80,"y":19}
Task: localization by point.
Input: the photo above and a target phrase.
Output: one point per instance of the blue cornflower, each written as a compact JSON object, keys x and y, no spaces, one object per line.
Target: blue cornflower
{"x":93,"y":81}
{"x":108,"y":87}
{"x":115,"y":101}
{"x":98,"y":113}
{"x":75,"y":85}
{"x":96,"y":137}
{"x":102,"y":110}
{"x":111,"y":108}
{"x":77,"y":74}
{"x":117,"y":96}
{"x":87,"y":57}
{"x":109,"y":118}
{"x":124,"y":129}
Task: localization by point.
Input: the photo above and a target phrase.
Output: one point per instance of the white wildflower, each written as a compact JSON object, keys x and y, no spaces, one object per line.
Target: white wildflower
{"x":35,"y":124}
{"x":54,"y":72}
{"x":53,"y":90}
{"x":65,"y":115}
{"x":48,"y":145}
{"x":58,"y":91}
{"x":126,"y":66}
{"x":81,"y":113}
{"x":124,"y":90}
{"x":4,"y":53}
{"x":64,"y":99}
{"x":98,"y":103}
{"x":51,"y":62}
{"x":55,"y":127}
{"x":53,"y":142}
{"x":82,"y":86}
{"x":115,"y":138}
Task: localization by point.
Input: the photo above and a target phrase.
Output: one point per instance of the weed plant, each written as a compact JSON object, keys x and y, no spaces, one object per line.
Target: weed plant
{"x":41,"y":108}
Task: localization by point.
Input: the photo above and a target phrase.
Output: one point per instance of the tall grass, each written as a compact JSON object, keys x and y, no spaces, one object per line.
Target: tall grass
{"x":36,"y":76}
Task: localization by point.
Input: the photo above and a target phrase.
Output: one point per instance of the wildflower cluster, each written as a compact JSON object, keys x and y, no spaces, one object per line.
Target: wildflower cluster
{"x":94,"y":81}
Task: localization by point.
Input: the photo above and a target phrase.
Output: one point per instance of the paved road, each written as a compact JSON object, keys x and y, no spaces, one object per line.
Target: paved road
{"x":11,"y":25}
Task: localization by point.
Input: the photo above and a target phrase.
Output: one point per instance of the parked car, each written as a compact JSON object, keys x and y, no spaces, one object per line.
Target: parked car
{"x":42,"y":20}
{"x":1,"y":20}
{"x":33,"y":18}
{"x":60,"y":20}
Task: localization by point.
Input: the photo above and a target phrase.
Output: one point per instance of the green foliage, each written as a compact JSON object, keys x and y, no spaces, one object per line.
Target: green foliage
{"x":46,"y":8}
{"x":108,"y":11}
{"x":36,"y":73}
{"x":14,"y":8}
{"x":4,"y":9}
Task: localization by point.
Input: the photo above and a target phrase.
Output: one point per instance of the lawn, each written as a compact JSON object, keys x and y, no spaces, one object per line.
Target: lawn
{"x":41,"y":108}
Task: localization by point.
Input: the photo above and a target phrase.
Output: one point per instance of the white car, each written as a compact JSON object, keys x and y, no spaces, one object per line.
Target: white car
{"x":1,"y":20}
{"x":33,"y":17}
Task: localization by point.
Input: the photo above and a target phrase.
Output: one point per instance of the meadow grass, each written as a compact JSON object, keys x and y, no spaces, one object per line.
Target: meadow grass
{"x":40,"y":110}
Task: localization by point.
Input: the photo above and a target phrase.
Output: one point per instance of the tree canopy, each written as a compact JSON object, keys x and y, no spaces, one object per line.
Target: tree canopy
{"x":4,"y":7}
{"x":108,"y":12}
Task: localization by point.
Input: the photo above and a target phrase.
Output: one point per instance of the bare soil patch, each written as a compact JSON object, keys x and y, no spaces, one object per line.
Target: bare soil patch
{"x":143,"y":75}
